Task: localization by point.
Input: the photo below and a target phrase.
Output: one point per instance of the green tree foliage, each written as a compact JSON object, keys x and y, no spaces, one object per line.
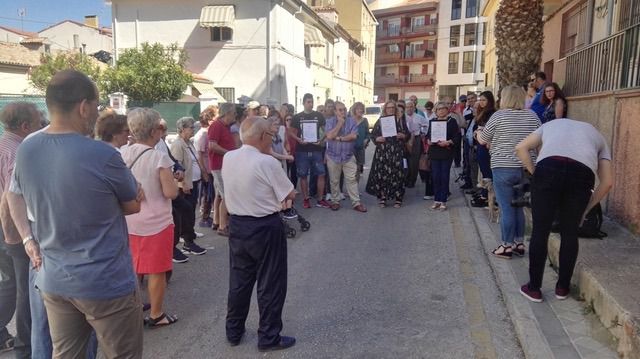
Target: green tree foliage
{"x":52,"y":64}
{"x":152,"y":73}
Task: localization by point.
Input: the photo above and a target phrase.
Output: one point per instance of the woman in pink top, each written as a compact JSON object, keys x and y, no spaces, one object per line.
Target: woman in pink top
{"x":151,"y":230}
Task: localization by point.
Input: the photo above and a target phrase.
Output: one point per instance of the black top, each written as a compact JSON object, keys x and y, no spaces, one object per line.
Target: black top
{"x":453,"y":133}
{"x":401,"y":127}
{"x":313,"y":116}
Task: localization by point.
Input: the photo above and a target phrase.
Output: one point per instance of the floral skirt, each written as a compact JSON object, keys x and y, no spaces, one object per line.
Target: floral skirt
{"x":387,"y":175}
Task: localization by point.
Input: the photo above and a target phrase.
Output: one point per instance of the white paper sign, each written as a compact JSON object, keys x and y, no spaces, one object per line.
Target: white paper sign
{"x":310,"y":131}
{"x":438,"y":131}
{"x":388,"y":126}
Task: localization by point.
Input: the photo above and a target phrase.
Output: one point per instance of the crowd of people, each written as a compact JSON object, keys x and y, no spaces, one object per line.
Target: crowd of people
{"x":75,"y":269}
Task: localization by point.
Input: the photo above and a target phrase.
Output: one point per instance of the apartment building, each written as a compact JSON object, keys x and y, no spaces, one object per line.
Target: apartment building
{"x":406,"y":49}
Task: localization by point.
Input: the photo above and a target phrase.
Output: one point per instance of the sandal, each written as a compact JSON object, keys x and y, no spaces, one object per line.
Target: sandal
{"x":152,"y":323}
{"x":223,"y":232}
{"x":436,"y":205}
{"x":503,"y":252}
{"x":382,"y":203}
{"x":519,"y":249}
{"x":398,"y":204}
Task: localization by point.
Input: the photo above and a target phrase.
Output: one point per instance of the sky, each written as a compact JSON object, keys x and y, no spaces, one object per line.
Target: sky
{"x":43,"y":13}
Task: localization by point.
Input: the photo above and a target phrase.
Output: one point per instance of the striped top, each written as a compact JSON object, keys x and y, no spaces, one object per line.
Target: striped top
{"x":504,"y":130}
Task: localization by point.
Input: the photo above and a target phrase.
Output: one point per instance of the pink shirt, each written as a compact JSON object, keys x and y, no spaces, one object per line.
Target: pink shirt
{"x":155,"y":211}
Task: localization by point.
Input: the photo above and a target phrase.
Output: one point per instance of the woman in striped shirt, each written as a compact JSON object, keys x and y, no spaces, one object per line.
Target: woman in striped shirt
{"x":504,"y":130}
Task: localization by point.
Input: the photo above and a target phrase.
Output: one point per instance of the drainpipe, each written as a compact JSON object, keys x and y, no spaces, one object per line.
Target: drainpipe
{"x":609,"y":17}
{"x":268,"y":40}
{"x":591,"y":17}
{"x":114,"y":16}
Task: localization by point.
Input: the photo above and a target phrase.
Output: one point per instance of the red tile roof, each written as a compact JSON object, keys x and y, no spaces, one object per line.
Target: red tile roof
{"x":16,"y":54}
{"x":20,"y":32}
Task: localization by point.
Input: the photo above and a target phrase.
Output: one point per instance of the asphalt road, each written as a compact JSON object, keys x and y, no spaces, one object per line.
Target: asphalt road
{"x":391,"y":283}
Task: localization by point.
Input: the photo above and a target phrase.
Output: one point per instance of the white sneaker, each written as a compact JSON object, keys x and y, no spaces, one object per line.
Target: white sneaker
{"x":199,"y":235}
{"x":327,"y":197}
{"x":342,"y":197}
{"x":426,"y":198}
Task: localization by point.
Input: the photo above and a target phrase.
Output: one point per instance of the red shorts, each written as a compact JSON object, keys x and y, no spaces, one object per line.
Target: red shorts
{"x":152,"y":254}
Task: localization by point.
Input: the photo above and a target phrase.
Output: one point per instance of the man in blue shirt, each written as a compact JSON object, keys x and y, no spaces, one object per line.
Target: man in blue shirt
{"x":68,"y":198}
{"x":540,"y":81}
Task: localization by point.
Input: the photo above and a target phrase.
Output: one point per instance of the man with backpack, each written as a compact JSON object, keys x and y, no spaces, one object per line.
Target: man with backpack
{"x":563,"y":181}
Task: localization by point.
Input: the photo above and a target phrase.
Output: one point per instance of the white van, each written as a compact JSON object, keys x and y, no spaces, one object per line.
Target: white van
{"x":372,"y":114}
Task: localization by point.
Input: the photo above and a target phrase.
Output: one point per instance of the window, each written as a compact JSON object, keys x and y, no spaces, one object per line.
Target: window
{"x":468,"y":61}
{"x":472,"y":8}
{"x":484,"y":33}
{"x":574,"y":29}
{"x":433,"y":19}
{"x":482,"y":61}
{"x":394,"y":48}
{"x":456,"y":9}
{"x":394,"y":29}
{"x":454,"y":36}
{"x":228,"y":93}
{"x":221,"y":33}
{"x":470,"y":34}
{"x":307,"y":52}
{"x":417,"y":22}
{"x":453,"y":63}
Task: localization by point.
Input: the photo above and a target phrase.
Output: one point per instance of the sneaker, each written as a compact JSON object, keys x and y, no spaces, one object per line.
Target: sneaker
{"x":323,"y":204}
{"x":443,"y":206}
{"x":562,"y":293}
{"x":519,"y":249}
{"x":206,"y":223}
{"x":306,"y":203}
{"x":342,"y":197}
{"x":178,"y":256}
{"x":532,"y":295}
{"x":7,"y":344}
{"x":290,"y":213}
{"x":327,"y":197}
{"x":427,"y":198}
{"x":436,"y":205}
{"x":199,"y":235}
{"x":193,"y":248}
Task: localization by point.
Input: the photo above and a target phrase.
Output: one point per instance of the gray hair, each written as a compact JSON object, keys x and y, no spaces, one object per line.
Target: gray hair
{"x":226,"y":108}
{"x":253,"y":127}
{"x":142,"y":122}
{"x":15,"y":114}
{"x":184,"y":123}
{"x":512,"y":97}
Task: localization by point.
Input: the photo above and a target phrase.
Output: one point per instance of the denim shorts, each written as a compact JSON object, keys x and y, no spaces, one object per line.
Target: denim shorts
{"x":310,"y":161}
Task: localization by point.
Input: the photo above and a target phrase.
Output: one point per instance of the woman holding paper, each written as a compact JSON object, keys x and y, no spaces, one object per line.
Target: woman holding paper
{"x":386,"y":179}
{"x":443,"y":136}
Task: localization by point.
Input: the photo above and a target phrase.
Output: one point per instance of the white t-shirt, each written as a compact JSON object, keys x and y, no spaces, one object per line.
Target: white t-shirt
{"x":196,"y":174}
{"x":254,"y":183}
{"x":155,"y":211}
{"x":577,"y":140}
{"x":201,"y":143}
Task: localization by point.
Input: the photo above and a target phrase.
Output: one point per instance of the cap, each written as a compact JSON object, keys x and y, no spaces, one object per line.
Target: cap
{"x":462,"y":98}
{"x":253,"y":105}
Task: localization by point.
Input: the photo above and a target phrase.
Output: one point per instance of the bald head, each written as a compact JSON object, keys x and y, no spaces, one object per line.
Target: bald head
{"x":252,"y":128}
{"x":67,"y":89}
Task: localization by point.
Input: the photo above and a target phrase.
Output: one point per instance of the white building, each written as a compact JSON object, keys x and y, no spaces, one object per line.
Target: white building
{"x":72,"y":35}
{"x":461,"y":43}
{"x":255,"y":49}
{"x":8,"y":34}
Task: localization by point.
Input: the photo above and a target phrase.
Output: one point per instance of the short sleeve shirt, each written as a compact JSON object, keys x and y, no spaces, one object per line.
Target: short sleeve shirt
{"x":254,"y":183}
{"x":220,"y":133}
{"x":341,"y":151}
{"x":302,"y":120}
{"x":201,"y":143}
{"x":73,"y":187}
{"x":155,"y":209}
{"x":504,"y":130}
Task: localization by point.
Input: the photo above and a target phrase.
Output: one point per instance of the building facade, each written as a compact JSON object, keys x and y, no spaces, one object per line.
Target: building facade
{"x":461,"y":45}
{"x":406,"y":51}
{"x":87,"y":37}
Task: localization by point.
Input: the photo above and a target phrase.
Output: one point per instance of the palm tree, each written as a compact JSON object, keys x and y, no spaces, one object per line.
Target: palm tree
{"x":519,"y":37}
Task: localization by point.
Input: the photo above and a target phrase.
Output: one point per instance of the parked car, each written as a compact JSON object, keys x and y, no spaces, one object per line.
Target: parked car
{"x":372,"y":113}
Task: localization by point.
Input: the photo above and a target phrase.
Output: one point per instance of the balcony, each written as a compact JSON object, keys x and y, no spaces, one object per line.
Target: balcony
{"x":411,"y":79}
{"x":422,"y":30}
{"x":607,"y":65}
{"x":409,"y":55}
{"x":421,"y":78}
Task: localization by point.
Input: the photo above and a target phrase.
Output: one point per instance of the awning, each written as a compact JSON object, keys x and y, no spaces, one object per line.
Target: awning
{"x":217,"y":16}
{"x":207,"y":90}
{"x":313,"y":37}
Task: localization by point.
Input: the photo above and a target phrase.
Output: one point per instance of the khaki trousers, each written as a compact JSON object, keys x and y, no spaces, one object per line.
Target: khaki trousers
{"x":349,"y":168}
{"x":117,"y":322}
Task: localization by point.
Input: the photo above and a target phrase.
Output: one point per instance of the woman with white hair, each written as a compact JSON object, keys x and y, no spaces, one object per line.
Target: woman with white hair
{"x":504,"y":130}
{"x":184,"y":152}
{"x":151,"y":230}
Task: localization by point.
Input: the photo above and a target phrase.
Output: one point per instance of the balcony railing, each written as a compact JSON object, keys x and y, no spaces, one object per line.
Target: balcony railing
{"x":419,"y":53}
{"x":420,"y":30}
{"x":419,"y":78}
{"x":404,"y":79}
{"x":610,"y":64}
{"x":629,"y":13}
{"x":388,"y":56}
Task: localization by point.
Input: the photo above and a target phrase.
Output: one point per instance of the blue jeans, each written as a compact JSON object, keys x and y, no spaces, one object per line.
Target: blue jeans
{"x":440,"y":171}
{"x":41,"y":346}
{"x":14,"y":274}
{"x":309,"y":163}
{"x":512,"y":218}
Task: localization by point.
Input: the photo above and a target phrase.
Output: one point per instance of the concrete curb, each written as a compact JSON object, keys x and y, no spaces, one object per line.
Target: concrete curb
{"x":534,"y":344}
{"x":612,"y":315}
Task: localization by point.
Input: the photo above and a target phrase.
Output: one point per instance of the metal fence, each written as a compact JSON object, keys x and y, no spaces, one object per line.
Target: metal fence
{"x":5,"y":99}
{"x":609,"y":64}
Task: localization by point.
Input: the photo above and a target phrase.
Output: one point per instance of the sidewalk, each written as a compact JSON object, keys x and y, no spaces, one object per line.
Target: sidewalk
{"x":570,"y":328}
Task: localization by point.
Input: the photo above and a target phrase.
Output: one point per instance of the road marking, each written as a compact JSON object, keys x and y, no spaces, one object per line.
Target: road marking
{"x":480,"y":333}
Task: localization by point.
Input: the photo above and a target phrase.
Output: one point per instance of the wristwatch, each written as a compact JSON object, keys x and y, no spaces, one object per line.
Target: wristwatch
{"x":27,"y":239}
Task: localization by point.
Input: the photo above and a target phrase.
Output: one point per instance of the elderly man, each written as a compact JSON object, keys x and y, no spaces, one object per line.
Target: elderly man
{"x":256,"y":187}
{"x":88,"y":269}
{"x":417,"y":124}
{"x":19,"y":120}
{"x":414,"y":99}
{"x":220,"y":142}
{"x":342,"y":132}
